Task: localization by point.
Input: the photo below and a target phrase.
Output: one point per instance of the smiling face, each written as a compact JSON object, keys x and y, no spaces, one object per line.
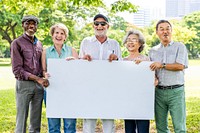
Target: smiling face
{"x":30,"y":27}
{"x":164,"y":33}
{"x":58,"y":36}
{"x":132,"y":43}
{"x":100,"y":27}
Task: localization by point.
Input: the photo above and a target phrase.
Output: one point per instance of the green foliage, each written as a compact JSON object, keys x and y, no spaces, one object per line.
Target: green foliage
{"x":73,"y":13}
{"x":78,"y":14}
{"x":123,"y":5}
{"x":192,"y":22}
{"x":180,"y":32}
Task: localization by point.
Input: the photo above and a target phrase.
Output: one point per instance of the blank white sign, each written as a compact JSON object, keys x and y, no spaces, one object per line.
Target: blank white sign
{"x":100,"y":89}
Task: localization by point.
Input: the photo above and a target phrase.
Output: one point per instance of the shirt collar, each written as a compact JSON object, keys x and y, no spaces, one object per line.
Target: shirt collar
{"x":34,"y":41}
{"x":168,"y":45}
{"x":53,"y":48}
{"x":94,"y":39}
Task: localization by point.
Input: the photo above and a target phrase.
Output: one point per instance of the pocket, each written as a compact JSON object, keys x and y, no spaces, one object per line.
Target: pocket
{"x":178,"y":91}
{"x":28,"y":54}
{"x":109,"y":52}
{"x":38,"y":51}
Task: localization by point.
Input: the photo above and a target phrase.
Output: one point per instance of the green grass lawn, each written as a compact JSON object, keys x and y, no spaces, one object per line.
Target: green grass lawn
{"x":8,"y":107}
{"x":8,"y":111}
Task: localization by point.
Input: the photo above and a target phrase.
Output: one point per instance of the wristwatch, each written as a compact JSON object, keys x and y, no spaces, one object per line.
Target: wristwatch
{"x":163,"y":65}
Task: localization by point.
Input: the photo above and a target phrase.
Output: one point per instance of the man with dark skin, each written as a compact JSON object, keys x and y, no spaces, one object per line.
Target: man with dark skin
{"x":26,"y":53}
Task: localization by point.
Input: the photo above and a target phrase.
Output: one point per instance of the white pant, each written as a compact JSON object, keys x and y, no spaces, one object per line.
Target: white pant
{"x":90,"y":124}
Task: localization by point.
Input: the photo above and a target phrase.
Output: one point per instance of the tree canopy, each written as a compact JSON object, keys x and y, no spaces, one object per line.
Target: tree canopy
{"x":77,"y":16}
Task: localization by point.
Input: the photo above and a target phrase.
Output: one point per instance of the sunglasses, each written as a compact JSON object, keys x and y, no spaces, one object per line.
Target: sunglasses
{"x":96,"y":23}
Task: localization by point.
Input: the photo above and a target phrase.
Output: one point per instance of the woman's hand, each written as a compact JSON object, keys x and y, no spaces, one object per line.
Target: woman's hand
{"x":138,"y":61}
{"x":46,"y":75}
{"x":70,"y":58}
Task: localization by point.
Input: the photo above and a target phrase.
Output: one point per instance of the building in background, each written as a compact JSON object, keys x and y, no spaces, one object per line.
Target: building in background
{"x":160,"y":9}
{"x":180,"y":8}
{"x":142,"y":18}
{"x":145,"y":16}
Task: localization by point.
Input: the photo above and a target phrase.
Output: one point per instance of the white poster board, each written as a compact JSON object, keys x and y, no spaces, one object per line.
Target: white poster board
{"x":100,"y":89}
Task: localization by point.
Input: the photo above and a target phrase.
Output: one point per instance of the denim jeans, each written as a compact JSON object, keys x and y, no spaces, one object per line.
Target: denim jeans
{"x":141,"y":126}
{"x":54,"y":124}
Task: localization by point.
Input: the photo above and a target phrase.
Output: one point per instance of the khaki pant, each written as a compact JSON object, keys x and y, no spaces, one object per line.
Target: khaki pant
{"x":90,"y":124}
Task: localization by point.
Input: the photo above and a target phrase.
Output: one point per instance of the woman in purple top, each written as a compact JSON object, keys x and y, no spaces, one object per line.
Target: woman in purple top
{"x":134,"y":42}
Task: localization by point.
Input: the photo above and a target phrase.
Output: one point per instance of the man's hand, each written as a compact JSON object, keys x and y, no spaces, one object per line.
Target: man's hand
{"x":156,"y":65}
{"x":87,"y":57}
{"x":43,"y":81}
{"x":112,"y":57}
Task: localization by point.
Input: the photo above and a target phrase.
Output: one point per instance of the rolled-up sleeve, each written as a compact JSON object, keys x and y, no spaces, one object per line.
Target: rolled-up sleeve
{"x":17,"y":62}
{"x":182,"y":56}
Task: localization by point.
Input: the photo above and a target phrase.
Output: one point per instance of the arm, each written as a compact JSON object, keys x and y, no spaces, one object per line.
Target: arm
{"x":170,"y":67}
{"x":116,"y":54}
{"x":74,"y":53}
{"x":44,"y":65}
{"x":82,"y":54}
{"x":44,"y":81}
{"x":17,"y":60}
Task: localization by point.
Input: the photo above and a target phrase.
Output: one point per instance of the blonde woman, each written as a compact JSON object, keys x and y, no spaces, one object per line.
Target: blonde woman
{"x":59,"y":50}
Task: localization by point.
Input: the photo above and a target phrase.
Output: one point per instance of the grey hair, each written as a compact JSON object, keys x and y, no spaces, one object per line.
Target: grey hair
{"x":140,"y":37}
{"x":61,"y":26}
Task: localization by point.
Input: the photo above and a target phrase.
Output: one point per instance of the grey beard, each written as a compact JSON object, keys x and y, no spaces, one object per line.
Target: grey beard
{"x":100,"y":35}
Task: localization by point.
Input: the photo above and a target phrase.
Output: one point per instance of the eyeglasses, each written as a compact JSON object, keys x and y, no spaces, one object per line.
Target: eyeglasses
{"x":96,"y":23}
{"x":132,"y":40}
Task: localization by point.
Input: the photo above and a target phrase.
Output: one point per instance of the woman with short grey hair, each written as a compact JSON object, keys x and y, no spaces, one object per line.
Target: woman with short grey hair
{"x":134,"y":42}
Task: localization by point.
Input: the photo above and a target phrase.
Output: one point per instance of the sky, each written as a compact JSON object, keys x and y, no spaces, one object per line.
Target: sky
{"x":145,"y":3}
{"x":152,"y":4}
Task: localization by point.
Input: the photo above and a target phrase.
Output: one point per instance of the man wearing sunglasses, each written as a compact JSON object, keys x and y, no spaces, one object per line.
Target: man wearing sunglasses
{"x":99,"y":47}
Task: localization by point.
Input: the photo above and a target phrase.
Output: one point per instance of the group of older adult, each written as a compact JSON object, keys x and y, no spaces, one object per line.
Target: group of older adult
{"x":29,"y":63}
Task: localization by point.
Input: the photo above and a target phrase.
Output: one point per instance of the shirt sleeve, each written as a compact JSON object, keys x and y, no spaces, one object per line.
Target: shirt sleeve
{"x":17,"y":62}
{"x":182,"y":55}
{"x":119,"y":53}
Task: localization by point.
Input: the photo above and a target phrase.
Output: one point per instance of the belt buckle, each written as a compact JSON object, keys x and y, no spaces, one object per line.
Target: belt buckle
{"x":162,"y":87}
{"x":170,"y":87}
{"x":166,"y":87}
